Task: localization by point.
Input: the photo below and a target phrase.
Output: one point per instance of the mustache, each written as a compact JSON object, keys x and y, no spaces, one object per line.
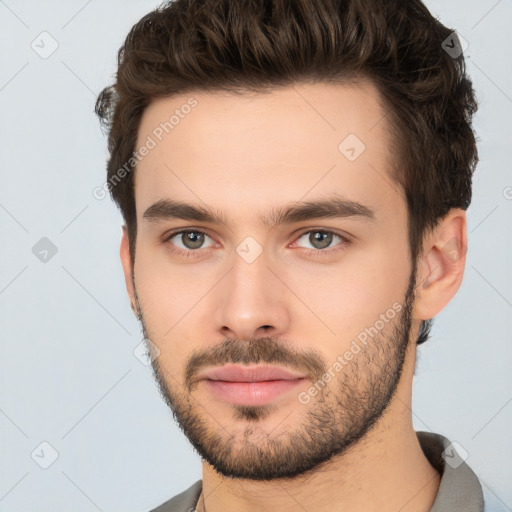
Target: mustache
{"x":255,"y":351}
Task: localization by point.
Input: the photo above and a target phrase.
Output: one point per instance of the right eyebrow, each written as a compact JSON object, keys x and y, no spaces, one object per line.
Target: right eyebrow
{"x":165,"y":209}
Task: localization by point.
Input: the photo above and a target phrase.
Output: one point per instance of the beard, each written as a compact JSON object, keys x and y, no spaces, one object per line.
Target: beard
{"x":343,"y":412}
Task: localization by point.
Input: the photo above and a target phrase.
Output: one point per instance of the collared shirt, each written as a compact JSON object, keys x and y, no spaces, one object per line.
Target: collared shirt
{"x":459,"y":489}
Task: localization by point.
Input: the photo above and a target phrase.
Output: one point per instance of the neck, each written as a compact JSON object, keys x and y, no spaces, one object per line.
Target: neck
{"x":385,"y":471}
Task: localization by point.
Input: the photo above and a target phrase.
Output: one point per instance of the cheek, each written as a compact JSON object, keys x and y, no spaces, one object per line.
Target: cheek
{"x":173,"y":298}
{"x":349,"y":296}
{"x":167,"y":291}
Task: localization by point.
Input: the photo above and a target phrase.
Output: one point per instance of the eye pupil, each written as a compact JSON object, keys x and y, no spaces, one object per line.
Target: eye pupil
{"x":192,"y":240}
{"x":324,"y":239}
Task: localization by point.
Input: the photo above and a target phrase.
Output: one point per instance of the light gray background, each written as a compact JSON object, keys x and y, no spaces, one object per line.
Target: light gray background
{"x":69,"y":376}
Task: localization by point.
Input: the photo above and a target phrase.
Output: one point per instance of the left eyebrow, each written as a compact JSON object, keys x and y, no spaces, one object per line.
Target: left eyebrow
{"x":335,"y":207}
{"x":330,"y":208}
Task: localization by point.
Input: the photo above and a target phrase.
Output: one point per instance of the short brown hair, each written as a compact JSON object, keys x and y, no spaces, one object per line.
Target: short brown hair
{"x":259,"y":45}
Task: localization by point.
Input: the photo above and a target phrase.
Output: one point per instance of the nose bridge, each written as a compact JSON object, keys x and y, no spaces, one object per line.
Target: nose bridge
{"x":249,"y":274}
{"x":251,"y":297}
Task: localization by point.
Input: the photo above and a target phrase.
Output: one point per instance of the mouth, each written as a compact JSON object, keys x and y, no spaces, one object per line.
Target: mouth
{"x":242,"y":385}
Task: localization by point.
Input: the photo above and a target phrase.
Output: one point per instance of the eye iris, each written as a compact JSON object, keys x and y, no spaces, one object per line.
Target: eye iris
{"x":192,"y":240}
{"x":324,"y":239}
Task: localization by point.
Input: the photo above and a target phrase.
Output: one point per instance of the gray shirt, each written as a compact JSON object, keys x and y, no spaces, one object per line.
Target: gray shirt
{"x":459,"y":490}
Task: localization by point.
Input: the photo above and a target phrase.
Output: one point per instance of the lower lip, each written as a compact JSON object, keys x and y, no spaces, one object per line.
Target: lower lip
{"x":251,"y":393}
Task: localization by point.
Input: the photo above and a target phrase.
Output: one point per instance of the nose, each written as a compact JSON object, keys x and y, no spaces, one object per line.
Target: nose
{"x":252,"y":301}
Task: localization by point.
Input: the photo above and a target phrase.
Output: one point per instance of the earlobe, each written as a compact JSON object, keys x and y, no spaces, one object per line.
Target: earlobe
{"x":126,"y":261}
{"x":441,"y":266}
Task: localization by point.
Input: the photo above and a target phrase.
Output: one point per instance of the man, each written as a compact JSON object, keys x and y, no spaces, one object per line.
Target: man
{"x":294,"y":177}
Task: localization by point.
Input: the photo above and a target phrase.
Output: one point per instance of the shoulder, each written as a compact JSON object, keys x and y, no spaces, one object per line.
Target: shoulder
{"x":184,"y":502}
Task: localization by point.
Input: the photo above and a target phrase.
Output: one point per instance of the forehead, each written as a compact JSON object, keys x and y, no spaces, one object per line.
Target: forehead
{"x":234,"y":151}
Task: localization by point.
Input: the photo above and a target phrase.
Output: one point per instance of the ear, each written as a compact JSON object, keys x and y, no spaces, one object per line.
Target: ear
{"x":126,"y":261}
{"x":441,"y":265}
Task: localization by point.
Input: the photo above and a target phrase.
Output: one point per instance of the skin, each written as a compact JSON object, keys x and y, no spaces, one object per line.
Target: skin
{"x":244,"y":156}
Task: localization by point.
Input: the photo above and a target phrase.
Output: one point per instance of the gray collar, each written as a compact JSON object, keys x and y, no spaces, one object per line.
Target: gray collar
{"x":460,"y":488}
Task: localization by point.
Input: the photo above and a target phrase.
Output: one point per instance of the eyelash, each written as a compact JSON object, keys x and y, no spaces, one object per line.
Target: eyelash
{"x":311,"y":252}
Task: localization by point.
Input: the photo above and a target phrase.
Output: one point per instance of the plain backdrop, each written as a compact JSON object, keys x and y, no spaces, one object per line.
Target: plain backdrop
{"x":69,"y":375}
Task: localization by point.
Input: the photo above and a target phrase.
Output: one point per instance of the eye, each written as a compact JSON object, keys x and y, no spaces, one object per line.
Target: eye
{"x":321,"y":240}
{"x":188,"y":240}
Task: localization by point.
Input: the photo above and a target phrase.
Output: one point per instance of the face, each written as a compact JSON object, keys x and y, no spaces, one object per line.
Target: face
{"x":272,"y":272}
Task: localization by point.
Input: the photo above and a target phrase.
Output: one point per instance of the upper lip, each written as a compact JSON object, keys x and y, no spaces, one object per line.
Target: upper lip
{"x":237,"y":373}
